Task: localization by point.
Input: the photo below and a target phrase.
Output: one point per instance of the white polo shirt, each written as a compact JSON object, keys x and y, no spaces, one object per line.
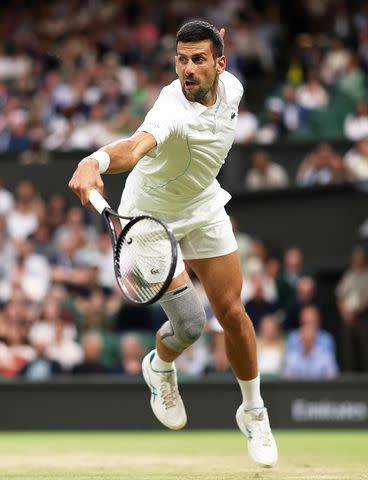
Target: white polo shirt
{"x":178,"y":177}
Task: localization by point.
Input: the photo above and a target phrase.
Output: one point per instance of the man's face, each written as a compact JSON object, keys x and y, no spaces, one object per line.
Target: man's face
{"x":198,"y":71}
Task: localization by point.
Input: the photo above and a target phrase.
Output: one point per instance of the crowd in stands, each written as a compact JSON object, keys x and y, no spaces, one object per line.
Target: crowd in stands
{"x":323,"y":165}
{"x":62,"y":313}
{"x":79,"y":75}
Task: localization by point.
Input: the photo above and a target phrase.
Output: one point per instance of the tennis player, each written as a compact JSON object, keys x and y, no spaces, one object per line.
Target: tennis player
{"x":175,"y":156}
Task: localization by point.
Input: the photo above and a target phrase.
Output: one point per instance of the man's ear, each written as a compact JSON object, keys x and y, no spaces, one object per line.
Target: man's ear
{"x":221,"y":64}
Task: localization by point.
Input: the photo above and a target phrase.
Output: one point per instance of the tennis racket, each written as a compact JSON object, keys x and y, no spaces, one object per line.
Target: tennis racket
{"x":145,"y":252}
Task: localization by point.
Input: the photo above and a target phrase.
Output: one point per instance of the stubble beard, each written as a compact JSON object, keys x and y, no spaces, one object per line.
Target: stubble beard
{"x":197,"y":96}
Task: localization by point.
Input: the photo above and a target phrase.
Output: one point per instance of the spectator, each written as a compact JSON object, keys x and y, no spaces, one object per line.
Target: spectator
{"x":321,"y":167}
{"x":356,"y":125}
{"x":131,"y":355}
{"x":356,"y":160}
{"x":294,"y":116}
{"x":31,"y":272}
{"x":265,"y":174}
{"x":292,"y":271}
{"x":270,"y":346}
{"x":352,"y":82}
{"x":311,"y":315}
{"x":218,"y":362}
{"x":246,"y":127}
{"x":41,"y":367}
{"x":24,"y":218}
{"x":309,"y":361}
{"x":272,"y":128}
{"x":312,"y":95}
{"x":92,"y":349}
{"x":335,"y":62}
{"x":306,"y":295}
{"x":352,"y":302}
{"x":257,"y":306}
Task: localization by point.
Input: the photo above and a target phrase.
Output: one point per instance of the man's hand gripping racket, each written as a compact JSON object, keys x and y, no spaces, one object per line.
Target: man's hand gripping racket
{"x":145,"y":252}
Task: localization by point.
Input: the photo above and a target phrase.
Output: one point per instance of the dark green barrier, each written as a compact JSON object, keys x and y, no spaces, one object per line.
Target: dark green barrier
{"x":115,"y":404}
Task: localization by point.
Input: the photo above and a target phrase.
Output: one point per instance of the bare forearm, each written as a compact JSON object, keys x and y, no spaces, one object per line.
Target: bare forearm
{"x":122,"y":155}
{"x":125,"y":153}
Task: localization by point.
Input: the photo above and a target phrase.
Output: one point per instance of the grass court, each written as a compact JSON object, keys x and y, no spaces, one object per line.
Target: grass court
{"x":187,"y":455}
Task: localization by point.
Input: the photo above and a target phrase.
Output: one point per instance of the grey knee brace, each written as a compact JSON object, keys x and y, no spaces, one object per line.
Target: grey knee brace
{"x":186,"y":317}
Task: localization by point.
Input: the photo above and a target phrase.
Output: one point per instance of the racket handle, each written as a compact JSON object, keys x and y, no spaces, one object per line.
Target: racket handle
{"x":97,"y":200}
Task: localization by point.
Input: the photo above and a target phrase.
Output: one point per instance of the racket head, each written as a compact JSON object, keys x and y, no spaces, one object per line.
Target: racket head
{"x":145,"y":257}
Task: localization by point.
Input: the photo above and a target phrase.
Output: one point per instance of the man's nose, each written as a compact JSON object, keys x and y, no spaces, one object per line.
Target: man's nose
{"x":189,"y":68}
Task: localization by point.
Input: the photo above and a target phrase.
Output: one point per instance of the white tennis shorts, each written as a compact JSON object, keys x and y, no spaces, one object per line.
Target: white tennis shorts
{"x":200,"y":235}
{"x":200,"y":238}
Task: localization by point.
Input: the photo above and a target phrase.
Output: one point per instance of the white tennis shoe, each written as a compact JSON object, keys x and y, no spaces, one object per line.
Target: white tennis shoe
{"x":166,"y":401}
{"x":256,"y":427}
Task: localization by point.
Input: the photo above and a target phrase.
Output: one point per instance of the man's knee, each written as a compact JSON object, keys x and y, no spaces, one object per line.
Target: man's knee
{"x":186,"y":318}
{"x":233,"y":317}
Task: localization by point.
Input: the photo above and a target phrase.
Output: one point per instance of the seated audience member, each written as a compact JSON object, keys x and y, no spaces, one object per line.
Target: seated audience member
{"x":270,"y":346}
{"x":306,"y":295}
{"x":356,"y":124}
{"x":218,"y":362}
{"x":66,"y":270}
{"x":352,"y":302}
{"x":92,"y":350}
{"x":292,"y":270}
{"x":257,"y":306}
{"x":23,"y":219}
{"x":312,"y":94}
{"x":309,"y":361}
{"x":334,"y":62}
{"x":41,"y":367}
{"x":31,"y":271}
{"x":322,"y":166}
{"x":273,"y":127}
{"x":131,"y":356}
{"x":64,"y":348}
{"x":14,"y":351}
{"x":294,"y":116}
{"x":310,"y":315}
{"x":265,"y":174}
{"x":246,"y":127}
{"x":352,"y":82}
{"x":356,"y":160}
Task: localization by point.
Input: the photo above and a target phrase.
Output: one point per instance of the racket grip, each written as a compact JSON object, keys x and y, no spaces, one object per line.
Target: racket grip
{"x":97,"y":200}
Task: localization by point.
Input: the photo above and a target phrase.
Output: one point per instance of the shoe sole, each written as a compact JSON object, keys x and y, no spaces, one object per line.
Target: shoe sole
{"x":243,"y":429}
{"x":145,"y":371}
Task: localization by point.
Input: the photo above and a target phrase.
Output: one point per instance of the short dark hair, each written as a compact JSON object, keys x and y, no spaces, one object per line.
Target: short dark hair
{"x":197,"y":31}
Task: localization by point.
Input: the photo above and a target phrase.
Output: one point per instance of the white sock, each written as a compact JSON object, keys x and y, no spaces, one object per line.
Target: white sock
{"x":160,"y":365}
{"x":251,"y":393}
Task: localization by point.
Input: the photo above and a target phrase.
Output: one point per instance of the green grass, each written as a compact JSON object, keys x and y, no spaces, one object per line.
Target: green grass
{"x":214,"y":455}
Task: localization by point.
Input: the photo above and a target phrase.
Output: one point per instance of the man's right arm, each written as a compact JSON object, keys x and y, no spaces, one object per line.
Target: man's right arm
{"x":124,"y":155}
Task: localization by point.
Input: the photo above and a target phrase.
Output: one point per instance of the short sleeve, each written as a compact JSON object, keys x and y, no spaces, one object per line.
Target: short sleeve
{"x":164,"y":119}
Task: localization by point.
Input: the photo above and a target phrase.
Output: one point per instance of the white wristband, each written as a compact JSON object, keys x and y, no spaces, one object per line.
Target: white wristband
{"x":103,"y":159}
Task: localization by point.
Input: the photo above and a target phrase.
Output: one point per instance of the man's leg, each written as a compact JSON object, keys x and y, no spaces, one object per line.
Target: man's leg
{"x":186,"y":319}
{"x":222,"y":281}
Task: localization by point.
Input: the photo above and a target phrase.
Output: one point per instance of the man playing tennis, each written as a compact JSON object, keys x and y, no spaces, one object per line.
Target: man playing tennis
{"x":175,"y":156}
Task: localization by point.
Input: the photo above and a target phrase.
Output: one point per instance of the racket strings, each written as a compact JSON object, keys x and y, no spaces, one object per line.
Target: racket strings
{"x":145,"y":259}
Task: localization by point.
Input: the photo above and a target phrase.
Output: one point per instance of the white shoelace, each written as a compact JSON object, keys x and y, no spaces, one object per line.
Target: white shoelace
{"x":169,"y":390}
{"x":263,"y":430}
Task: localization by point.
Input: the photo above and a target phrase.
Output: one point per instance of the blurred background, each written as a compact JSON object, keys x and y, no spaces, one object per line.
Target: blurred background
{"x":79,"y":74}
